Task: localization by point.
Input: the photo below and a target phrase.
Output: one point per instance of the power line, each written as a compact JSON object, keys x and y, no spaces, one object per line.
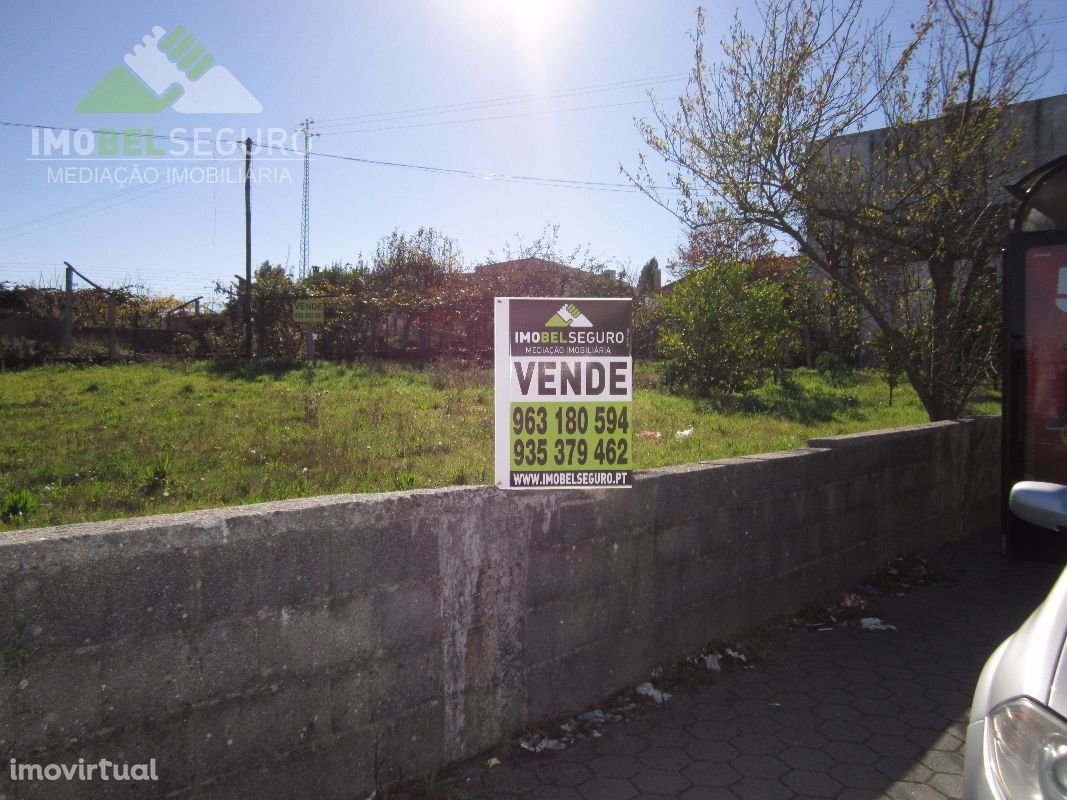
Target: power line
{"x":127,"y":193}
{"x":485,"y":119}
{"x":472,"y":105}
{"x":572,"y":183}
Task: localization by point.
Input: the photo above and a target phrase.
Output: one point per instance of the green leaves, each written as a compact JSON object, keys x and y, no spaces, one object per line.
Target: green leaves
{"x":905,"y":221}
{"x":724,"y":330}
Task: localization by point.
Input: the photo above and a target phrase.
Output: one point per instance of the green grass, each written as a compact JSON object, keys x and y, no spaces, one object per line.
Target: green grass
{"x":110,"y":441}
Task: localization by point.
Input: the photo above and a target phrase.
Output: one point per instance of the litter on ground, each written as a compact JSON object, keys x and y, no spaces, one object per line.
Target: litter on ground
{"x":536,"y":743}
{"x":875,"y":624}
{"x":736,"y":655}
{"x":648,"y":690}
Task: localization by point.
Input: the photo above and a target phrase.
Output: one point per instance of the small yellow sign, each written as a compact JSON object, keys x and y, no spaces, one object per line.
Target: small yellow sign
{"x":309,"y":311}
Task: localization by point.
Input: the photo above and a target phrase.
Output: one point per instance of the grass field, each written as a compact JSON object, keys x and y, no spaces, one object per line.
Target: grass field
{"x":110,"y":441}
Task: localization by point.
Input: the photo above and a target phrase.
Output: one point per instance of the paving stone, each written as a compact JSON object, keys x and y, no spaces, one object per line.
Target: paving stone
{"x":850,"y":753}
{"x":843,"y":731}
{"x":913,"y":791}
{"x":947,"y":763}
{"x":607,"y":789}
{"x":836,"y":711}
{"x":948,"y":742}
{"x":888,"y":726}
{"x":615,"y":766}
{"x":859,"y":776}
{"x":707,"y":793}
{"x":757,"y":743}
{"x":560,"y":773}
{"x":511,"y":779}
{"x":801,"y":736}
{"x":668,"y":737}
{"x":903,"y":769}
{"x":712,"y":751}
{"x":673,"y":758}
{"x":552,"y":793}
{"x":660,"y":782}
{"x":767,"y":725}
{"x":622,"y":744}
{"x":949,"y":785}
{"x":760,"y":789}
{"x":850,"y":715}
{"x":711,"y":774}
{"x":812,"y":784}
{"x":896,"y":746}
{"x":713,"y":730}
{"x":760,"y":766}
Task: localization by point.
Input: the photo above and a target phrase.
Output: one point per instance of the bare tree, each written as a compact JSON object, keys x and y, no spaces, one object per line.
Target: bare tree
{"x":907,"y":223}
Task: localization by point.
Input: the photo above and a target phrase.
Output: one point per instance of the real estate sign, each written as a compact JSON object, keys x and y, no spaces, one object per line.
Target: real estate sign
{"x":309,"y":311}
{"x":564,"y":392}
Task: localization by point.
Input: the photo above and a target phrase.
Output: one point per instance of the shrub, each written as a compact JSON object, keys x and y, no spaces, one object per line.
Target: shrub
{"x":834,"y":368}
{"x":724,"y":330}
{"x":156,"y":477}
{"x":17,"y":506}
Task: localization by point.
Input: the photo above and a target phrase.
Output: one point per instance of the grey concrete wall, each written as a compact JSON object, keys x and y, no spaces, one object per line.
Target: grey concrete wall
{"x":1041,"y":124}
{"x":321,"y":647}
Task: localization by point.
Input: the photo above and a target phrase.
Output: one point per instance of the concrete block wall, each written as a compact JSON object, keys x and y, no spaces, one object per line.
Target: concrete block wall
{"x":323,"y":647}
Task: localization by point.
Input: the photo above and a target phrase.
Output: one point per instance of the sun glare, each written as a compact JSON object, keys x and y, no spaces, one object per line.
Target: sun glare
{"x":536,"y":20}
{"x":533,"y":26}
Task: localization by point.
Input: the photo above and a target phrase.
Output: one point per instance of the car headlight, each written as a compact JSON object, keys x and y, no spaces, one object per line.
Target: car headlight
{"x":1026,"y":751}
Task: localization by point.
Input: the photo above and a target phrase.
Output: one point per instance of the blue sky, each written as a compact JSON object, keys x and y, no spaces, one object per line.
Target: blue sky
{"x":550,"y":63}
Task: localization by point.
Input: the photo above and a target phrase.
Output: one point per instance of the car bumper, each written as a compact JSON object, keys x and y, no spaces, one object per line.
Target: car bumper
{"x":976,"y":785}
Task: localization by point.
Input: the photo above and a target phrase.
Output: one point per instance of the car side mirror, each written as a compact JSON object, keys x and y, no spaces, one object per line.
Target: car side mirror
{"x":1043,"y":504}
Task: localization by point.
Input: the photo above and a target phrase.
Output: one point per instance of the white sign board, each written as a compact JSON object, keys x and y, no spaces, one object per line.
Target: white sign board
{"x":564,"y":392}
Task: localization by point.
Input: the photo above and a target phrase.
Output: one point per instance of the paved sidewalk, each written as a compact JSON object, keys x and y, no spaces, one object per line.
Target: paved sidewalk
{"x":847,"y":713}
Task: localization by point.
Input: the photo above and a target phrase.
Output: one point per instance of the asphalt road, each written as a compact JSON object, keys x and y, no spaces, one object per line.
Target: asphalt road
{"x":844,"y":713}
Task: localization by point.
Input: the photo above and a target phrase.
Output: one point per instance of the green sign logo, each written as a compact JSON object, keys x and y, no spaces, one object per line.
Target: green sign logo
{"x":568,"y":316}
{"x":169,"y":70}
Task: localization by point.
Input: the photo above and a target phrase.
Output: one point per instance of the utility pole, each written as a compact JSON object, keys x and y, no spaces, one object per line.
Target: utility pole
{"x":305,"y":218}
{"x":239,"y":300}
{"x":248,"y":247}
{"x":112,"y":335}
{"x":68,"y":313}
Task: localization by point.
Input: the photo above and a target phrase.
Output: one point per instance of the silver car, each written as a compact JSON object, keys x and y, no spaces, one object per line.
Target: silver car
{"x":1017,"y":735}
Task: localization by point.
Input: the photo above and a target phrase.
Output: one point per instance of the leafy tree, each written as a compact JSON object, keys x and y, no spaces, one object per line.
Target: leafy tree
{"x":415,"y":264}
{"x":888,"y":362}
{"x":910,"y":232}
{"x":410,"y":272}
{"x":606,"y":277}
{"x":273,"y":330}
{"x":347,"y":288}
{"x":647,"y":326}
{"x":825,"y":321}
{"x":648,"y":281}
{"x":724,"y":330}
